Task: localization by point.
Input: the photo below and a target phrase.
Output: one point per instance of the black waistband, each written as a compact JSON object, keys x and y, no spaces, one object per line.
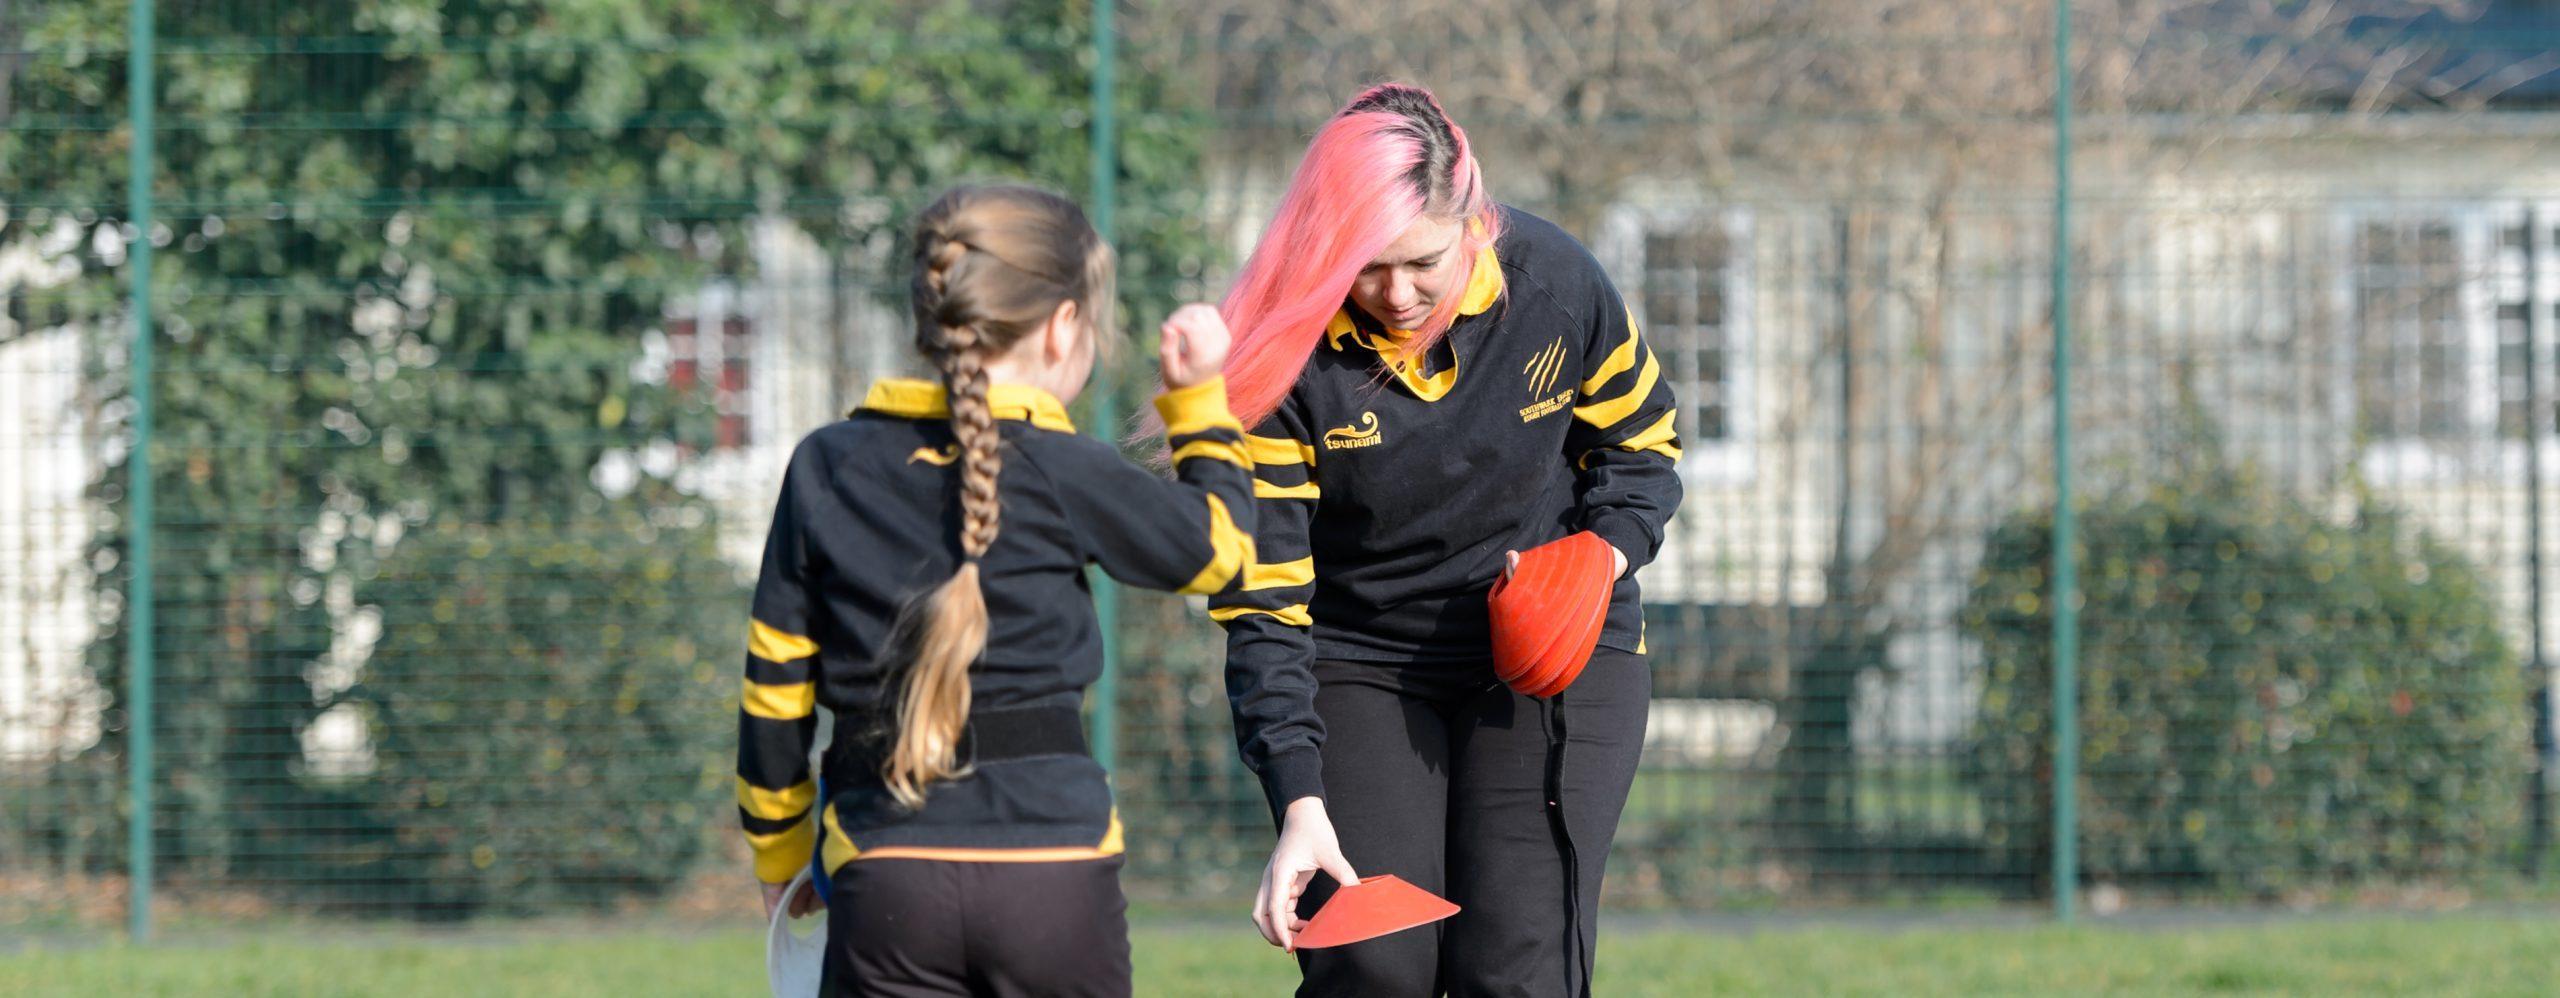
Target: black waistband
{"x":990,"y":736}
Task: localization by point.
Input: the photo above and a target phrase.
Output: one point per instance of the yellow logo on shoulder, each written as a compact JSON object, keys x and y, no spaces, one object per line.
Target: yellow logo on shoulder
{"x":938,"y":458}
{"x":1364,"y":433}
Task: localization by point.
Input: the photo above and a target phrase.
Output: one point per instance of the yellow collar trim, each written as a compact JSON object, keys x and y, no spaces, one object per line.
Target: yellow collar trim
{"x":1409,"y":370}
{"x":912,"y":398}
{"x":1407,"y":367}
{"x":1484,"y":287}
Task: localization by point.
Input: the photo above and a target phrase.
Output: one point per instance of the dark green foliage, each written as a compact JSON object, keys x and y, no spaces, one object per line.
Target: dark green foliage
{"x":546,"y":717}
{"x":2272,"y":696}
{"x":409,"y":251}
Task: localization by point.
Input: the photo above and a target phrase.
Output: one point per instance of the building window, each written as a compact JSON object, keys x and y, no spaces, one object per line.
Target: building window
{"x":1687,"y":314}
{"x":1688,"y":275}
{"x":2412,"y":334}
{"x":715,"y":354}
{"x":2440,"y":304}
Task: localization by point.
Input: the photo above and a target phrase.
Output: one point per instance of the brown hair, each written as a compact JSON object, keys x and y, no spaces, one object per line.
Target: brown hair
{"x":992,"y":264}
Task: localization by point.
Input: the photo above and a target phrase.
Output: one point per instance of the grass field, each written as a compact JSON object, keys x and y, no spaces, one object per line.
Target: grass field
{"x":2449,"y":955}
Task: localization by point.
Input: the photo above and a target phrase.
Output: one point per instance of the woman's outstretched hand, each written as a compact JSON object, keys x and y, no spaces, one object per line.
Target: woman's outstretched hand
{"x":1306,"y":846}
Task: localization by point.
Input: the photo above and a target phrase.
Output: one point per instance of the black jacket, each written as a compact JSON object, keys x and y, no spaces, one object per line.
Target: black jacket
{"x":869,"y":519}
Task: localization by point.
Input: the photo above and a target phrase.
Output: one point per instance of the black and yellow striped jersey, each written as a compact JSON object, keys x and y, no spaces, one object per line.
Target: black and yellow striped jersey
{"x":1391,"y":485}
{"x":869,"y":518}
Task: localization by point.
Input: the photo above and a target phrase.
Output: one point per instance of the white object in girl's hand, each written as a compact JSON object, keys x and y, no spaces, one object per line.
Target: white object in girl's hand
{"x":794,"y":961}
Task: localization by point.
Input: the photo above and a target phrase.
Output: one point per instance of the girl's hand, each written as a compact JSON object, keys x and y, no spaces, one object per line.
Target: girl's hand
{"x":1194,"y":346}
{"x":803,"y":903}
{"x":1306,"y":845}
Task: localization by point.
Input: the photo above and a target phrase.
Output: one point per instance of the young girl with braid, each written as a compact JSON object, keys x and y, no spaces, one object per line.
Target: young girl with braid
{"x":925,"y":581}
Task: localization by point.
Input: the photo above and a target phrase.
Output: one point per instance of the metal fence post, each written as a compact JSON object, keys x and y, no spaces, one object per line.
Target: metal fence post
{"x":2066,"y":528}
{"x":2538,"y":678}
{"x":1106,"y":408}
{"x":138,"y":513}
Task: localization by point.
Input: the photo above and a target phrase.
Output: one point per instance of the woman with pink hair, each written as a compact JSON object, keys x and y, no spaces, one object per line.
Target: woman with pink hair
{"x":1434,"y":382}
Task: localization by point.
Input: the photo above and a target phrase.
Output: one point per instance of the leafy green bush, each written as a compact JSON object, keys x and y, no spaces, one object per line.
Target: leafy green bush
{"x":2270,"y":697}
{"x":417,"y":320}
{"x":546,"y":715}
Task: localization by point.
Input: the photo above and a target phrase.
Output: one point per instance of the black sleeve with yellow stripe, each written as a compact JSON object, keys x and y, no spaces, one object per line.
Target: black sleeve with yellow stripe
{"x":777,"y":712}
{"x":1192,"y":535}
{"x":1271,"y":683}
{"x":1625,"y":439}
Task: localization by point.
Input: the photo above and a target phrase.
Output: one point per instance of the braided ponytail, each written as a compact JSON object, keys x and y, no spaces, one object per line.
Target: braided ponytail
{"x":991,"y":264}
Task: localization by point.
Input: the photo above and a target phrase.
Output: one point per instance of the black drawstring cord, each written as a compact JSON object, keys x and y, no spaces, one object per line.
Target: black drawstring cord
{"x":1554,"y":709}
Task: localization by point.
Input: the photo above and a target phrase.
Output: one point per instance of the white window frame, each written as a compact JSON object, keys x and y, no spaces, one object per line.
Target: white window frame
{"x":2416,"y":458}
{"x":1733,"y":461}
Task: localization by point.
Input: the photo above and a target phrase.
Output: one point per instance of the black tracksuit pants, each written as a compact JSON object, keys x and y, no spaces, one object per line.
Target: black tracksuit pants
{"x":912,"y":928}
{"x":1499,"y":802}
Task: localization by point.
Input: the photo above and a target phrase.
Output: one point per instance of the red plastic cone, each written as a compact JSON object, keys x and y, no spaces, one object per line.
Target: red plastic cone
{"x":1374,"y":907}
{"x":1547,"y":615}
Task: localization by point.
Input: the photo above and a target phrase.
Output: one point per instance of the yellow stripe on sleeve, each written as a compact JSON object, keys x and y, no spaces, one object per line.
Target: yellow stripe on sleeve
{"x":1279,"y":450}
{"x":779,"y":647}
{"x":778,"y":702}
{"x":1294,"y":615}
{"x":1230,"y":550}
{"x":1663,"y":437}
{"x":782,"y":855}
{"x":1266,"y":490}
{"x":1220,"y":450}
{"x":1619,"y":360}
{"x":776,"y":805}
{"x":1198,"y":408}
{"x":1260,"y":576}
{"x":1604,"y":415}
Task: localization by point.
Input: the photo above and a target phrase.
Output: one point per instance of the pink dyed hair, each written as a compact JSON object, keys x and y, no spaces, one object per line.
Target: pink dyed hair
{"x":1389,"y":157}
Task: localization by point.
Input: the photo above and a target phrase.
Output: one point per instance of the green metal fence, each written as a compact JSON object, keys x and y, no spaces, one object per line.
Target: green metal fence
{"x":386,"y":452}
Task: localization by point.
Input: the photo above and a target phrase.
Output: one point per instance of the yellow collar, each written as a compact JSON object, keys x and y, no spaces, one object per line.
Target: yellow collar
{"x":1484,"y":287}
{"x":911,"y":398}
